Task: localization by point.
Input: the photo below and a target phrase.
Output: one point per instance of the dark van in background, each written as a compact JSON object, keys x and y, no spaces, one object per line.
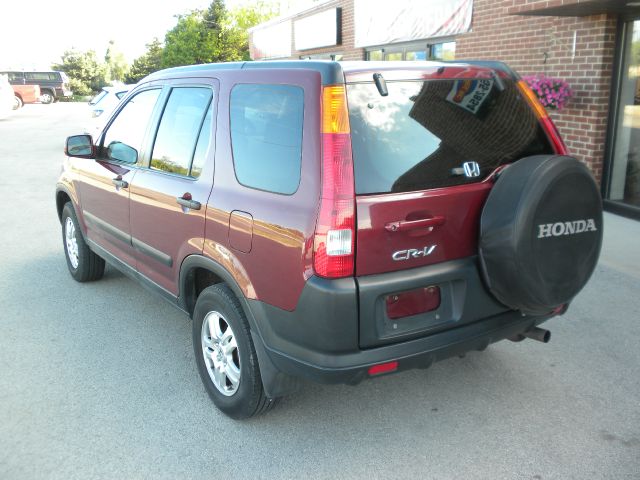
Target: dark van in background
{"x":53,"y":85}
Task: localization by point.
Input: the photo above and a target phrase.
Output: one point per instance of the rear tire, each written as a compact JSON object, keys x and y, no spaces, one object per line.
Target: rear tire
{"x":17,"y":102}
{"x":225,"y":354}
{"x":47,"y":97}
{"x":84,"y":265}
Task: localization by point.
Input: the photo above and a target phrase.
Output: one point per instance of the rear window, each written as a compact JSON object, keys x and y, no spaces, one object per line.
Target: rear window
{"x":423,"y":133}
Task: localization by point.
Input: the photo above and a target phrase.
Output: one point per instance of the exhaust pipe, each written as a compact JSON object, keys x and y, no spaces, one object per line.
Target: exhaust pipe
{"x":539,"y":334}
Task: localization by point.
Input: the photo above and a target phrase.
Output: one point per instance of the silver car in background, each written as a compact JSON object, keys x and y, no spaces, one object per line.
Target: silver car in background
{"x":102,"y":105}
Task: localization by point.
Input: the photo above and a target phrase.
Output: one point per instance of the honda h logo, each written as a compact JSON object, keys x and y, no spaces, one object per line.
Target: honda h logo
{"x":471,"y":169}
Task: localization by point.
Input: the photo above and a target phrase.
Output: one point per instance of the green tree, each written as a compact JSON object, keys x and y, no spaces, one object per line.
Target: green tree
{"x":241,"y":19}
{"x":213,"y":35}
{"x":116,"y":63}
{"x":85,"y":72}
{"x":183,"y":43}
{"x":147,"y":63}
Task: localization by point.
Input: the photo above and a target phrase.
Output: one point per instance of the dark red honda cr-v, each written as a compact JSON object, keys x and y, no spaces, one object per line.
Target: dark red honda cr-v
{"x":334,"y":222}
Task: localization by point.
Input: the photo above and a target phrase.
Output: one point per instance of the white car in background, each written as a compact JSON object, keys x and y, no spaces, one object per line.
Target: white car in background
{"x":6,"y":97}
{"x":102,"y":105}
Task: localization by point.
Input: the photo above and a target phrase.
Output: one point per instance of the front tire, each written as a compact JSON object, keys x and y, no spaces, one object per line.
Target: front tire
{"x":84,"y":265}
{"x":225,"y":355}
{"x":17,"y":102}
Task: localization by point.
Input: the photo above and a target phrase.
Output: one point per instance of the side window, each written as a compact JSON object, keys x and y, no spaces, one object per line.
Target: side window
{"x":40,"y":76}
{"x":179,"y":128}
{"x":266,"y":136}
{"x":202,"y":147}
{"x":123,"y":140}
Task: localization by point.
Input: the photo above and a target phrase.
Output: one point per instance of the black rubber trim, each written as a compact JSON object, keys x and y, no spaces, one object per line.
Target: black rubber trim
{"x":418,"y":353}
{"x":318,"y":341}
{"x":126,"y":238}
{"x":275,"y":382}
{"x":152,"y":252}
{"x":134,"y":274}
{"x":106,"y":227}
{"x":464,"y":299}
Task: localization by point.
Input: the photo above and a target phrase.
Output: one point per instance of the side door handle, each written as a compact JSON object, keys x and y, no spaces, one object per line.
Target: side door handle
{"x":119,"y":183}
{"x":187,"y":202}
{"x":406,"y":225}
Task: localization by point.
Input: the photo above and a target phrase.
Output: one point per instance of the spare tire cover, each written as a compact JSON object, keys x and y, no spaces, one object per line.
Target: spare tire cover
{"x":540,"y":233}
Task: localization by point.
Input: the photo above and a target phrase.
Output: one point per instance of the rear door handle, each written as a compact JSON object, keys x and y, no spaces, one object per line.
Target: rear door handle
{"x":119,"y":183}
{"x":186,"y":201}
{"x":406,"y":225}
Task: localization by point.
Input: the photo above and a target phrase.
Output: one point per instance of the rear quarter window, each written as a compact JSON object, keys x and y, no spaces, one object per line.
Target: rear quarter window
{"x":421,"y":134}
{"x":266,"y":136}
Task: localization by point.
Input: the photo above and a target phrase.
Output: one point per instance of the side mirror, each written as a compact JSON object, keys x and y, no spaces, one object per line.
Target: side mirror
{"x":80,"y":146}
{"x":122,"y":152}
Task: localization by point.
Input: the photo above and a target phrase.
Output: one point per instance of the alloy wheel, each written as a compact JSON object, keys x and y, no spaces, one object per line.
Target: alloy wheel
{"x":220,"y":352}
{"x":72,"y":242}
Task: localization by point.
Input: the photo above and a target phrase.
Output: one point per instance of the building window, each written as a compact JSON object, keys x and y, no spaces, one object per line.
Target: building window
{"x":323,"y":56}
{"x":624,"y":174}
{"x":443,"y":50}
{"x":375,"y":55}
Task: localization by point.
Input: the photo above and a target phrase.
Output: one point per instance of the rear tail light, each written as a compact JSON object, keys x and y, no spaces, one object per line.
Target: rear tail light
{"x":543,"y":117}
{"x":334,"y":241}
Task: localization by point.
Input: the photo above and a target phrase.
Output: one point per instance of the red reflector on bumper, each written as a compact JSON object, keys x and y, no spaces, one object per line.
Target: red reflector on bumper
{"x":383,"y":368}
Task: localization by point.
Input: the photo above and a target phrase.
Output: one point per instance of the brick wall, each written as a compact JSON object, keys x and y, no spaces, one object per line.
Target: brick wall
{"x":522,"y":41}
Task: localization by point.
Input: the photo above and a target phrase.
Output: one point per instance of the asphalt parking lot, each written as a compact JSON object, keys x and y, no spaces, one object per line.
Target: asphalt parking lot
{"x":98,"y":380}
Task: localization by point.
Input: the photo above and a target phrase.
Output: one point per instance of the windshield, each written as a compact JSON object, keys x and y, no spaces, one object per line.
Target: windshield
{"x":421,"y":135}
{"x":98,"y":97}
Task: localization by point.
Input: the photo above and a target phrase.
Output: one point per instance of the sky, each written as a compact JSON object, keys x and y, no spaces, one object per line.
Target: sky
{"x":35,"y":33}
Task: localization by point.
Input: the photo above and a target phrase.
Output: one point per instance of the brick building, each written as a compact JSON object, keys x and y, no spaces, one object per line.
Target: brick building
{"x":592,"y":44}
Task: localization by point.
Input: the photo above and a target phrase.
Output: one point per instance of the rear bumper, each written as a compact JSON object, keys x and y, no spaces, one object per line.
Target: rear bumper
{"x":62,"y":92}
{"x":319,"y":341}
{"x":420,"y":353}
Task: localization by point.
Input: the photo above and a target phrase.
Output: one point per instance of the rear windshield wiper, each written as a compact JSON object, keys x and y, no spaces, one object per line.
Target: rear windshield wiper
{"x":381,"y":85}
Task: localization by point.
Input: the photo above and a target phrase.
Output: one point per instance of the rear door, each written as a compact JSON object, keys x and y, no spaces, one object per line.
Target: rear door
{"x":423,"y":159}
{"x":169,"y":193}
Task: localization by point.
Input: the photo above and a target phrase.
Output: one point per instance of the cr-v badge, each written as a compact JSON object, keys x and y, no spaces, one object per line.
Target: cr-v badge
{"x":413,"y":253}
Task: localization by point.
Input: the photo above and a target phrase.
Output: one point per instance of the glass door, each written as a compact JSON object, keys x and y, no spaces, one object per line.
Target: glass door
{"x":624,"y":181}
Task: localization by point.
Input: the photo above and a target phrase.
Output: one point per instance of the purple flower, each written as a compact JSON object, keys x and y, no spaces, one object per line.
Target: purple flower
{"x":552,"y":92}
